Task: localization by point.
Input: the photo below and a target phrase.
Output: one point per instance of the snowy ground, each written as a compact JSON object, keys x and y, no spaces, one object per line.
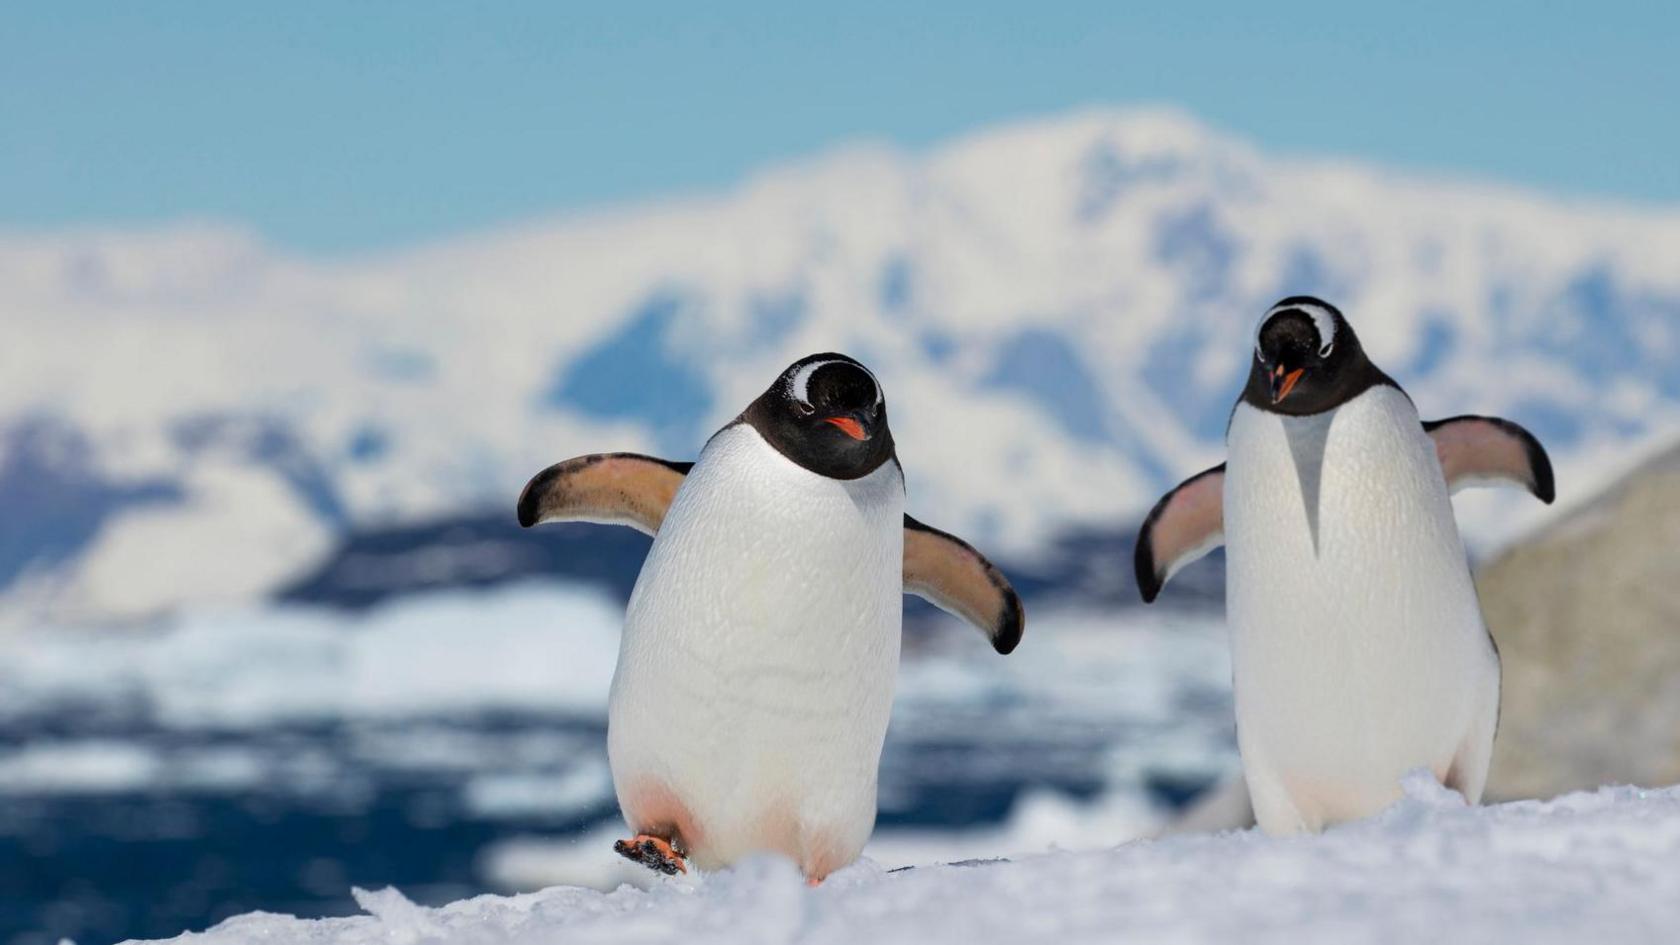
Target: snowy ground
{"x":451,"y":745}
{"x":1602,"y":867}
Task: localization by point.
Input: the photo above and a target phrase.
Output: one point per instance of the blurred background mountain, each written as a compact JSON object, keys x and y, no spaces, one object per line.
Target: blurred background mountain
{"x":293,"y":305}
{"x":1059,"y":311}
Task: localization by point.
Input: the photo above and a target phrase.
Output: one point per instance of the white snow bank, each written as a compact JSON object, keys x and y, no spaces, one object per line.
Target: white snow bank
{"x":530,"y":647}
{"x":112,"y":766}
{"x":546,"y":648}
{"x":1601,"y":867}
{"x":525,"y":793}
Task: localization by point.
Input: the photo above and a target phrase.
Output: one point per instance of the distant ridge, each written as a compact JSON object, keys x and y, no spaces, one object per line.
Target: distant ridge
{"x":1059,"y":311}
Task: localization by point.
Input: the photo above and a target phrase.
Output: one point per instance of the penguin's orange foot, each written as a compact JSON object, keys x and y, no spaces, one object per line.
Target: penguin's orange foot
{"x":655,"y":853}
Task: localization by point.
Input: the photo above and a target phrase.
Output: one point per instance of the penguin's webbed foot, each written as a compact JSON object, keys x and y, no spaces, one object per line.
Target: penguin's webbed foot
{"x":655,"y":853}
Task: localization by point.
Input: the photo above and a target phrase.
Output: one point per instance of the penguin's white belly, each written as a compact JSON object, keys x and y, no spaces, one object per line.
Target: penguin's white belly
{"x":1358,"y":648}
{"x":755,"y":677}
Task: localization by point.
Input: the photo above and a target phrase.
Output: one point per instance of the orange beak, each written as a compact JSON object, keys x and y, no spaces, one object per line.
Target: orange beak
{"x":1283,"y":383}
{"x":848,"y":426}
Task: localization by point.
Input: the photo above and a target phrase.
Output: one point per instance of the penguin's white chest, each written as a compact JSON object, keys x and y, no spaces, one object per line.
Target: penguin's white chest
{"x":760,"y":648}
{"x":1358,"y":649}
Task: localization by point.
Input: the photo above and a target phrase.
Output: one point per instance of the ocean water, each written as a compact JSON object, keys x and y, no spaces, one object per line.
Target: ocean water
{"x":155,"y":780}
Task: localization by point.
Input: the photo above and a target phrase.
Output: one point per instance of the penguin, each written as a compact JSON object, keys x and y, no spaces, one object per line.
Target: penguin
{"x":760,"y":647}
{"x":1358,"y":650}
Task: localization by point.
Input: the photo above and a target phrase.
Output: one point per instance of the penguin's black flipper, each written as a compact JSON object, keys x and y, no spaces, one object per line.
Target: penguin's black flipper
{"x":947,"y":571}
{"x":609,"y":488}
{"x":1491,"y":451}
{"x":1187,"y":523}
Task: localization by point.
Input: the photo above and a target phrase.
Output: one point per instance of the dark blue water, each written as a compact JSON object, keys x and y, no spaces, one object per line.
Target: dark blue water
{"x":377,"y":804}
{"x":301,"y":813}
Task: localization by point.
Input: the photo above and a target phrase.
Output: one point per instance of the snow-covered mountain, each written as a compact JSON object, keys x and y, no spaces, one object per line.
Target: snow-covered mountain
{"x":1060,"y":312}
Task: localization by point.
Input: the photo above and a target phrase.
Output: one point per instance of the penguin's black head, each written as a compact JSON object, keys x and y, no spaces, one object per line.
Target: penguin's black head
{"x":827,"y":413}
{"x":1307,"y":359}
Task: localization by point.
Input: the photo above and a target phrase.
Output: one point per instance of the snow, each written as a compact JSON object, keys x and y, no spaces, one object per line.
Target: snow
{"x":551,"y":648}
{"x":501,"y":795}
{"x":230,"y":508}
{"x":1598,"y":867}
{"x":212,"y":701}
{"x":1142,"y":242}
{"x":1040,"y":821}
{"x":113,"y":766}
{"x":91,"y":766}
{"x":531,"y":647}
{"x":1146,"y":685}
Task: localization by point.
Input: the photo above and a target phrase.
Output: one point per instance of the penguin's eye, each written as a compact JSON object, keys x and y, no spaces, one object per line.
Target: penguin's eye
{"x":1324,"y":352}
{"x":803,"y":409}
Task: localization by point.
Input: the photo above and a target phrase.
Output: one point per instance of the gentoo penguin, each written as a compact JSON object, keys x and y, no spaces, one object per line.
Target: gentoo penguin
{"x":1358,"y":650}
{"x":755,"y":673}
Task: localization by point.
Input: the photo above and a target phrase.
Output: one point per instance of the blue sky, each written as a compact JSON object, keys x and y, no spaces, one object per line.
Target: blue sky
{"x":333,"y":127}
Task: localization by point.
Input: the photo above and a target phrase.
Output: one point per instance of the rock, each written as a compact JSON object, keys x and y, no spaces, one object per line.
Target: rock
{"x":1587,"y":617}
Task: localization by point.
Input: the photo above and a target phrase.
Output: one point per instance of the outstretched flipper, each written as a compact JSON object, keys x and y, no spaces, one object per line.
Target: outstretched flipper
{"x":635,"y":490}
{"x":609,"y":488}
{"x":1186,"y":524}
{"x":947,"y":571}
{"x":1491,"y":451}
